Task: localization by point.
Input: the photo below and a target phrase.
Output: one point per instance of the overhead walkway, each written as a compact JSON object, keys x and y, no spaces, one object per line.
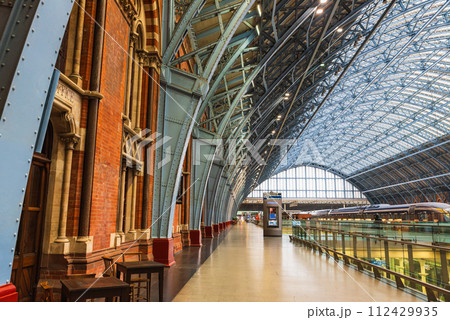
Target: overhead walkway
{"x":248,"y":267}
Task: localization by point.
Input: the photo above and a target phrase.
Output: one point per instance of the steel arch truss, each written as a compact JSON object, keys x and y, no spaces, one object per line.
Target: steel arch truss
{"x":393,"y":100}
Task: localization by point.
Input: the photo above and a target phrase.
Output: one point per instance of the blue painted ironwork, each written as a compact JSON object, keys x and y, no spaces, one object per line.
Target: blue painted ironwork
{"x":203,"y":151}
{"x":24,"y":105}
{"x":211,"y":191}
{"x":47,"y":110}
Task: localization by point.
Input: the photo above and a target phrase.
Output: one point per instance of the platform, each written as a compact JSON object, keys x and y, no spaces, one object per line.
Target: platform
{"x":248,"y":267}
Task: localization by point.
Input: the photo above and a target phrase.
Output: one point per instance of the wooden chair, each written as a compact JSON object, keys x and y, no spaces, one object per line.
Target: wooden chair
{"x":110,"y":270}
{"x":137,"y":282}
{"x":48,"y":292}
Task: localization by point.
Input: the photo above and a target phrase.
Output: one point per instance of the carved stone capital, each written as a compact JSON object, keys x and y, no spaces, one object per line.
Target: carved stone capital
{"x":70,"y":140}
{"x":134,"y":38}
{"x":150,"y":59}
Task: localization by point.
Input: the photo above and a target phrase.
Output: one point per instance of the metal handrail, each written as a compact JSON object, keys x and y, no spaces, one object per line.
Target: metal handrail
{"x":363,"y":235}
{"x":398,"y":276}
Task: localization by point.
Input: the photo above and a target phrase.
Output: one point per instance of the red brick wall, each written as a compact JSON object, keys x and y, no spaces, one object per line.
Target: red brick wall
{"x":78,"y":156}
{"x":109,"y":132}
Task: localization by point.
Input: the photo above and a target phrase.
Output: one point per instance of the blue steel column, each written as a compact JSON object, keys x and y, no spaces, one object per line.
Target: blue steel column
{"x":180,"y":100}
{"x":180,"y":97}
{"x":24,"y":106}
{"x":223,"y":202}
{"x":226,"y":203}
{"x":202,"y":158}
{"x":211,"y":192}
{"x":218,"y":200}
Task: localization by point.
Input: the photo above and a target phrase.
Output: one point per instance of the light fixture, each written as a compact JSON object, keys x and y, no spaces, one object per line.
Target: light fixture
{"x":273,"y":131}
{"x":339,"y":30}
{"x":257,"y":30}
{"x":259,"y":9}
{"x":287,"y":94}
{"x":323,"y":1}
{"x":322,"y":64}
{"x":319,"y":11}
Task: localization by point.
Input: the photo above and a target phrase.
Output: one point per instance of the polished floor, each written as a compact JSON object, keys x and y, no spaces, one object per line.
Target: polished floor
{"x":188,"y":261}
{"x":248,"y":267}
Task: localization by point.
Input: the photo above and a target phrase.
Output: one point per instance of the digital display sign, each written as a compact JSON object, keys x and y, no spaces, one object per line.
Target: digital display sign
{"x":272,"y":216}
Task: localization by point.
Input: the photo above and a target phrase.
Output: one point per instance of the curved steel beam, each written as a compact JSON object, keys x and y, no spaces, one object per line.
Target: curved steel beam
{"x":261,"y":64}
{"x":181,"y":30}
{"x":222,"y":74}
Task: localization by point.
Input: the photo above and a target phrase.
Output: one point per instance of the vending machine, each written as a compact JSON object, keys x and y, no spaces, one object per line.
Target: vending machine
{"x":272,"y":209}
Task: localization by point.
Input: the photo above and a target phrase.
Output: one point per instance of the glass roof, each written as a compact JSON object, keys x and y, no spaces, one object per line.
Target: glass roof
{"x":395,"y":96}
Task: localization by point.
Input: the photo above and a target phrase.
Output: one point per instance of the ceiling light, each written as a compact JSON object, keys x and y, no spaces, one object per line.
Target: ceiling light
{"x":340,"y":29}
{"x":259,"y":9}
{"x":273,"y":132}
{"x":257,"y":30}
{"x":319,"y":11}
{"x":287,"y":94}
{"x":323,"y":1}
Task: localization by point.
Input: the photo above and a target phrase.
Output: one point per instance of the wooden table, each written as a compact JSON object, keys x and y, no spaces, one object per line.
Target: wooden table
{"x":91,"y":288}
{"x":138,"y":267}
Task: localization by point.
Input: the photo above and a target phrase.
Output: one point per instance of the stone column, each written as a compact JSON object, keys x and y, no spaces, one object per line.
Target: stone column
{"x":132,"y":230}
{"x":128,"y":105}
{"x":75,"y":76}
{"x":70,"y":141}
{"x":123,"y":182}
{"x":138,"y":103}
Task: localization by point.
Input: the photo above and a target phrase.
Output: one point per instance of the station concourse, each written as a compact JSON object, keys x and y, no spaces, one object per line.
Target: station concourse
{"x":250,"y":268}
{"x":142,"y":137}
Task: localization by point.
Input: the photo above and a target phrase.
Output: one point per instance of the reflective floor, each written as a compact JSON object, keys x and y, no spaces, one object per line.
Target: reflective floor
{"x":248,"y":267}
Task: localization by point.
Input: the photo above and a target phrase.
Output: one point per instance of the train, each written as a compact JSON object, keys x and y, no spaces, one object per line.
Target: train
{"x":417,"y":212}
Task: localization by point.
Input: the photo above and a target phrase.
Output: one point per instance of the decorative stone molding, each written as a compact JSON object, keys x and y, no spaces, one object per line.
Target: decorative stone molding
{"x":64,"y":93}
{"x":133,"y":147}
{"x":150,"y":59}
{"x":128,"y":9}
{"x":69,"y":120}
{"x":134,"y":37}
{"x":70,"y":139}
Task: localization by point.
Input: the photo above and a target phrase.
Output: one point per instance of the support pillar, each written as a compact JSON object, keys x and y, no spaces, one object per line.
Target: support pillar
{"x":196,"y":238}
{"x":26,"y":85}
{"x":216,"y":228}
{"x":210,"y":199}
{"x":8,"y":293}
{"x":120,"y":236}
{"x":70,"y":140}
{"x":163,"y":251}
{"x":132,"y":232}
{"x":91,"y":129}
{"x":76,"y":63}
{"x":209,"y":232}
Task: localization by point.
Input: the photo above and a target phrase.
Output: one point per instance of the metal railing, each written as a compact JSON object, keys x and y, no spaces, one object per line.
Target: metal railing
{"x":419,"y":266}
{"x":422,"y":232}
